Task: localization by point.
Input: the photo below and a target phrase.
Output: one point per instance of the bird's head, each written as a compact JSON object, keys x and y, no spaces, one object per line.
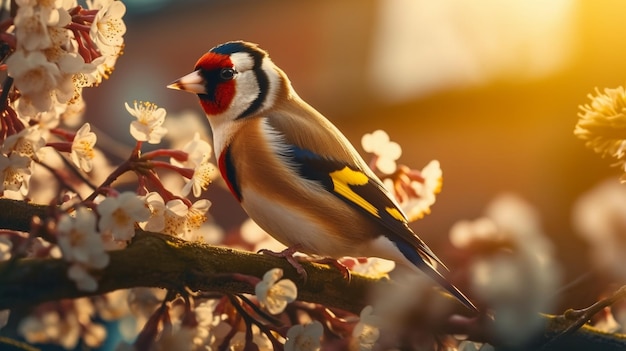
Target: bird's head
{"x":234,"y":80}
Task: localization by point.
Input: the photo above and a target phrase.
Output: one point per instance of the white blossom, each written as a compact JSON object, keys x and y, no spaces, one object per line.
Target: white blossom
{"x":148,"y":126}
{"x":367,"y":332}
{"x":81,"y":244}
{"x":104,"y":67}
{"x":198,"y":150}
{"x":599,"y":216}
{"x":212,"y":328}
{"x":83,"y":148}
{"x":31,"y":28}
{"x":35,"y":77}
{"x":64,"y":325}
{"x":387,"y":151}
{"x":50,"y":327}
{"x":203,"y":174}
{"x":416,"y":207}
{"x":72,"y":63}
{"x":304,"y":337}
{"x":156,"y":205}
{"x":175,"y":215}
{"x":98,"y":4}
{"x":421,"y":191}
{"x":274,"y":294}
{"x":182,"y":220}
{"x":108,"y":27}
{"x":15,"y":173}
{"x":79,"y":240}
{"x":199,"y":153}
{"x":373,"y":267}
{"x":209,"y":233}
{"x":25,"y":143}
{"x":196,"y":215}
{"x":118,"y":215}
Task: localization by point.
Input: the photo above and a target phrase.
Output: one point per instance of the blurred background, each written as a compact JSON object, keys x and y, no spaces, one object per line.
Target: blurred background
{"x":491,"y":89}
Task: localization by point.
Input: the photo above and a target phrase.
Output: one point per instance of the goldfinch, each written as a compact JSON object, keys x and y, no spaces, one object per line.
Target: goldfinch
{"x":293,"y":171}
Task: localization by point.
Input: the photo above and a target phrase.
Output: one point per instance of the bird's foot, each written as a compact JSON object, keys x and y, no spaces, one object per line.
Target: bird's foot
{"x":335,"y":263}
{"x":288,"y":254}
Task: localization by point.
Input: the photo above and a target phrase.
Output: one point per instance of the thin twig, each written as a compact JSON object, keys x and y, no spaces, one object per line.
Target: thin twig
{"x":582,"y":316}
{"x":4,"y":95}
{"x":258,"y":311}
{"x":77,"y":173}
{"x":235,"y":300}
{"x":59,"y":178}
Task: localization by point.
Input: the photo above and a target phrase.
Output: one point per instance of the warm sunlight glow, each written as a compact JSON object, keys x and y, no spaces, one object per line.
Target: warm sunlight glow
{"x":422,"y":46}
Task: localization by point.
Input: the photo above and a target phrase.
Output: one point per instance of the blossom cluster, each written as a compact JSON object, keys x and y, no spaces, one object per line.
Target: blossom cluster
{"x":599,"y":216}
{"x":53,"y":50}
{"x":108,"y":218}
{"x":414,"y":190}
{"x":311,"y":327}
{"x":57,"y":48}
{"x":510,"y":265}
{"x":85,"y":228}
{"x":602,"y":124}
{"x":61,"y":48}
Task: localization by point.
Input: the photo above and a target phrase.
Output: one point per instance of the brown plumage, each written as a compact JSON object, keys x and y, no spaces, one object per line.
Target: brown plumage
{"x":293,"y":171}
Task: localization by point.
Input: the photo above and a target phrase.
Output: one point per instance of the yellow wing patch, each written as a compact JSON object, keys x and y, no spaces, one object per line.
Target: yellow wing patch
{"x":395,"y":213}
{"x":342,"y":180}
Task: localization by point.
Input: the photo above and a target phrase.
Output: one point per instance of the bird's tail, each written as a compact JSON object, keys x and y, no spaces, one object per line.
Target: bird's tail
{"x":444,"y":283}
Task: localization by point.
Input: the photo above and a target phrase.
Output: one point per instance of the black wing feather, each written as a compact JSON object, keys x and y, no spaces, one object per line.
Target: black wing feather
{"x":314,"y":167}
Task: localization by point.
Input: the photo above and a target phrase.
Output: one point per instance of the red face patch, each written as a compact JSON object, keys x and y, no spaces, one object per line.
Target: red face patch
{"x":219,"y":92}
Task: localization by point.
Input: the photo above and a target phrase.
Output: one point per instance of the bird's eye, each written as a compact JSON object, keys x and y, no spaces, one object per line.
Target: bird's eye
{"x":227,"y":73}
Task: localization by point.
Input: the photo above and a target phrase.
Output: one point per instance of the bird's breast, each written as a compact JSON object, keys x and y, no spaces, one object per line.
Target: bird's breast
{"x":288,"y":224}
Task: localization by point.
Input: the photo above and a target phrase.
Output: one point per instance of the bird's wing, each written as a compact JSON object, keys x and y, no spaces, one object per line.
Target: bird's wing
{"x":365,"y":193}
{"x":342,"y":172}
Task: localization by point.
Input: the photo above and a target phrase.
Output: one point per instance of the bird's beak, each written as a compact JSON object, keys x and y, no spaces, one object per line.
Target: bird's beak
{"x":193,"y":83}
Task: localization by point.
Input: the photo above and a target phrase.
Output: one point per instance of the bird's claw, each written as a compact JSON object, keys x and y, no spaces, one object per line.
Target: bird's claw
{"x":288,"y":254}
{"x":335,"y":263}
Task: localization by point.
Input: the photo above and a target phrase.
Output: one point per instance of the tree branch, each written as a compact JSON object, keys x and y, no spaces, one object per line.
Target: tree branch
{"x":158,"y":260}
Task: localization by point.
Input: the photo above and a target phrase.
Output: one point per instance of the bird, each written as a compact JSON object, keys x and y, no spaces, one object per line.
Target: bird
{"x":294,"y":173}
